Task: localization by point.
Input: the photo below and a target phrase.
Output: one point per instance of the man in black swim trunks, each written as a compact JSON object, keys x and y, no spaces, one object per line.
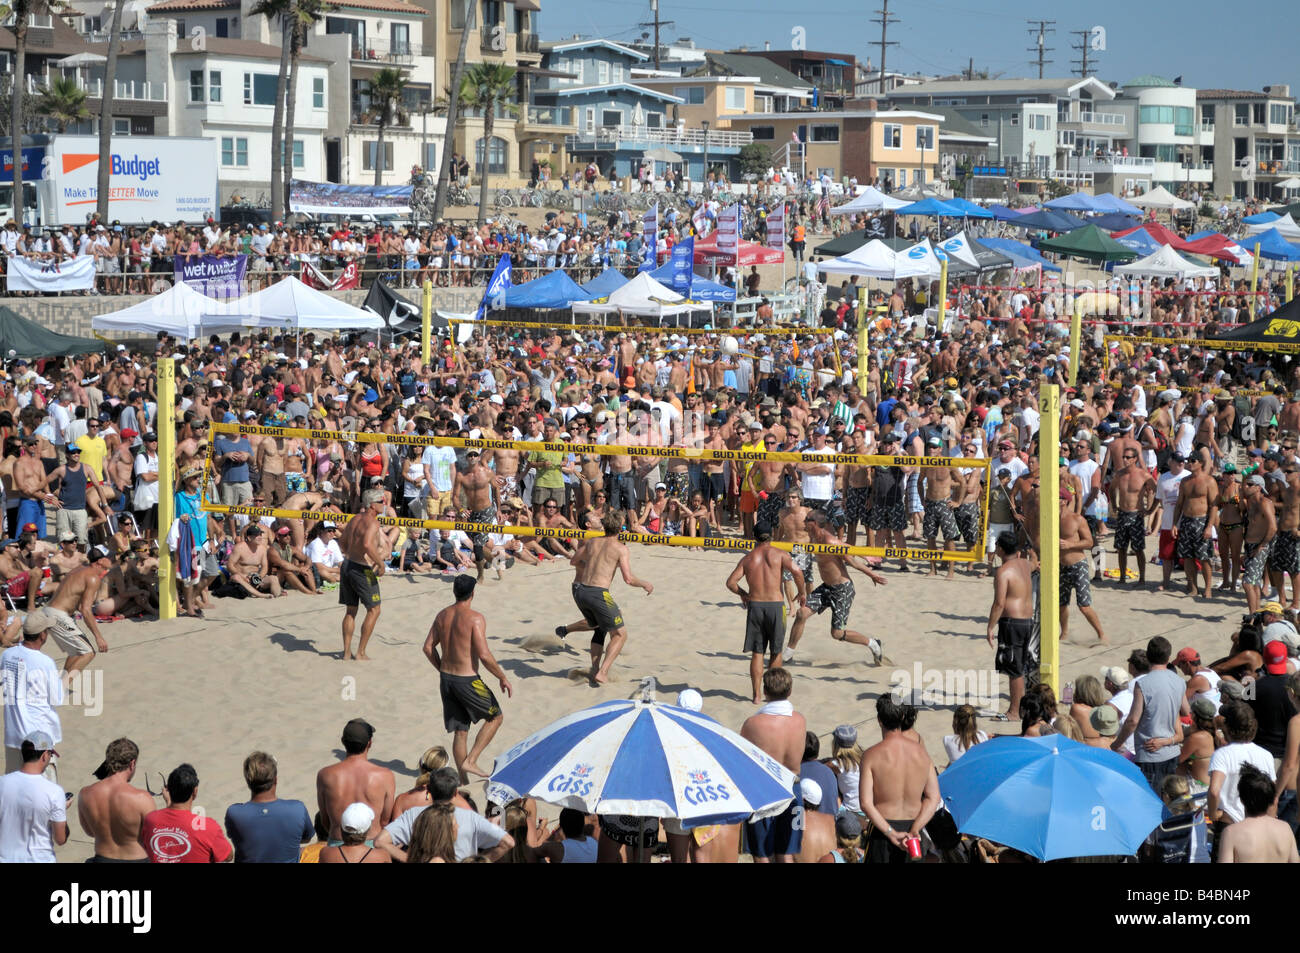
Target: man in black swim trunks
{"x":1011,"y":618}
{"x":456,"y":643}
{"x":363,"y":545}
{"x":765,"y":602}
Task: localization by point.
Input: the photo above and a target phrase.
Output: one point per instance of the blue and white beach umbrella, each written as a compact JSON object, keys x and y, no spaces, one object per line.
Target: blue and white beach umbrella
{"x":645,"y":758}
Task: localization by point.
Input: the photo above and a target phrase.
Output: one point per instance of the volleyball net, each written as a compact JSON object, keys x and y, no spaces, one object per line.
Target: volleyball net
{"x":691,"y":454}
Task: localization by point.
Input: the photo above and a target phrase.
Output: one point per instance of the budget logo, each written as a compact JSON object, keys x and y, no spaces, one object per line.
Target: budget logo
{"x":135,"y":167}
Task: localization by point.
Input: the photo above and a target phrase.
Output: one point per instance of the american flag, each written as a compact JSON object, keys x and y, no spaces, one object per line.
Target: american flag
{"x":824,"y":204}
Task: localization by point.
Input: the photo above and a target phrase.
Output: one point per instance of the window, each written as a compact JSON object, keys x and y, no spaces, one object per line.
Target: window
{"x":355,"y":29}
{"x":1241,"y":114}
{"x":925,"y":137}
{"x":121,"y":126}
{"x":602,"y":73}
{"x":1039,"y":121}
{"x":984,"y":119}
{"x":214,"y":86}
{"x":180,"y":27}
{"x":1066,"y":137}
{"x":456,"y":21}
{"x":1207,"y":115}
{"x":611,"y":117}
{"x":1279,"y":114}
{"x":491,"y":14}
{"x":223,"y":26}
{"x":318,"y":92}
{"x":91,"y":24}
{"x":589,"y":118}
{"x":765,"y":133}
{"x":577,"y":72}
{"x":368,"y":157}
{"x":299,"y":154}
{"x":1257,"y":113}
{"x":234,"y":152}
{"x":196,"y":85}
{"x":616,"y":72}
{"x":496,"y":159}
{"x":763,"y":104}
{"x":259,"y":89}
{"x":825,"y":132}
{"x":654,"y":120}
{"x":892,"y":136}
{"x":1015,"y":119}
{"x":902,"y":178}
{"x":400,"y":38}
{"x":693,"y":95}
{"x":430,"y":155}
{"x":735,"y":97}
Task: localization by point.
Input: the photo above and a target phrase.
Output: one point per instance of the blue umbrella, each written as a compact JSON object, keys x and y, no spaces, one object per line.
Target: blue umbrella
{"x":1116,"y":221}
{"x":1077,"y":202}
{"x":1262,"y":218}
{"x":1051,"y":797}
{"x":647,"y":759}
{"x":1048,"y":220}
{"x":1022,"y":255}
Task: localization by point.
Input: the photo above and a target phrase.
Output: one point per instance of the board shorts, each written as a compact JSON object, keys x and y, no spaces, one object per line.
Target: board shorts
{"x":839,"y":599}
{"x":69,"y":635}
{"x":803,"y":561}
{"x":1254,"y":559}
{"x":782,"y":834}
{"x":465,"y":700}
{"x":891,"y":517}
{"x":599,"y":609}
{"x":1130,"y":532}
{"x":1075,"y":578}
{"x":486,"y":515}
{"x":1167,"y":545}
{"x":968,"y":522}
{"x":679,"y":485}
{"x":1191,"y":541}
{"x":630,"y":830}
{"x":1286,"y":552}
{"x":1013,"y":646}
{"x":857,"y":503}
{"x":939,"y":516}
{"x":358,"y":585}
{"x":769,"y":510}
{"x":295,"y":482}
{"x":881,"y":850}
{"x":765,"y":628}
{"x":996,"y":530}
{"x":717,"y":487}
{"x":914,"y":502}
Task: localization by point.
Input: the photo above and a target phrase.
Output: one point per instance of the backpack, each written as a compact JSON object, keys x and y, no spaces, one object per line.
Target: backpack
{"x":1163,"y":450}
{"x":1240,"y":404}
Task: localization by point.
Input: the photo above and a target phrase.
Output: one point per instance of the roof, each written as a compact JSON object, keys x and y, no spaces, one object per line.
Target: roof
{"x":640,"y":90}
{"x":954,"y":123}
{"x":250,"y":49}
{"x":384,"y":6}
{"x":1231,"y":94}
{"x":189,"y":6}
{"x":587,"y":44}
{"x":1149,"y":80}
{"x":743,"y":64}
{"x":834,"y":115}
{"x":995,"y":87}
{"x":186,"y":6}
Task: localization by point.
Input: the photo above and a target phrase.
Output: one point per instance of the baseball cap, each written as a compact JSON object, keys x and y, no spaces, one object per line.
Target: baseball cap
{"x":1273,"y":607}
{"x":329,"y":525}
{"x":690,"y":699}
{"x":1275,"y":657}
{"x":810,"y":791}
{"x":357,"y":818}
{"x":358,"y":731}
{"x":1255,"y":480}
{"x":848,"y":826}
{"x":282,"y":531}
{"x":1204,"y":708}
{"x":39,"y":741}
{"x":1181,"y":458}
{"x":98,"y":552}
{"x":755,"y":425}
{"x":29,"y":527}
{"x":846,"y":735}
{"x":661,"y":486}
{"x":934,"y":442}
{"x":1117,"y":676}
{"x":37,"y":621}
{"x":1189,"y":655}
{"x":67,"y":537}
{"x":1105,"y":719}
{"x":371,"y":396}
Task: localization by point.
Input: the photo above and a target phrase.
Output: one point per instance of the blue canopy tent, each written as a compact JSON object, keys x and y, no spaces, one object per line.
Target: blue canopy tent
{"x":553,"y":290}
{"x":1116,"y":221}
{"x":1201,"y":234}
{"x":1107,"y":202}
{"x":1140,"y":241}
{"x":702,"y":289}
{"x":1049,"y":220}
{"x":931,"y":208}
{"x":1023,"y":255}
{"x":1263,"y":218}
{"x":1077,"y":202}
{"x":1004,"y":214}
{"x":605,"y":283}
{"x":1272,"y":246}
{"x":969,"y":209}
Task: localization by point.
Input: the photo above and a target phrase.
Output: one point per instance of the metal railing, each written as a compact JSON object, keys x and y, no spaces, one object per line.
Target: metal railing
{"x":1103,"y":119}
{"x":1107,"y":163}
{"x":527,"y":43}
{"x":130,"y":89}
{"x":549,"y":116}
{"x":669,"y":135}
{"x":384,"y":51}
{"x":1277,"y":166}
{"x":1207,"y":125}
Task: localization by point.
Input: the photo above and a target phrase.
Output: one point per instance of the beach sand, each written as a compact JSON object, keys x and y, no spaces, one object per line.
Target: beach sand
{"x":262,"y":674}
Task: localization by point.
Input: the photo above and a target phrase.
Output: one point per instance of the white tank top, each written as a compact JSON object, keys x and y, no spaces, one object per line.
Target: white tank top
{"x":1213,"y":678}
{"x":848,"y":785}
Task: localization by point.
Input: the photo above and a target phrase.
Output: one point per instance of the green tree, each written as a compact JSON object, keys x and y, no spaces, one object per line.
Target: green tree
{"x":63,"y":102}
{"x":284,"y":11}
{"x":21,"y":10}
{"x":487,"y":86}
{"x":386,"y":88}
{"x":106,"y":113}
{"x":755,"y":158}
{"x":453,"y":111}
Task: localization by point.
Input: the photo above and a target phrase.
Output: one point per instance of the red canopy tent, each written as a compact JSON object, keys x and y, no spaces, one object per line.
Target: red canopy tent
{"x":749,"y":253}
{"x":1219,"y":246}
{"x":1157,"y":231}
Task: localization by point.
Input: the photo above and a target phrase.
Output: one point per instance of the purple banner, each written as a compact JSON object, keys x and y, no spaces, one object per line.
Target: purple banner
{"x":216,"y":277}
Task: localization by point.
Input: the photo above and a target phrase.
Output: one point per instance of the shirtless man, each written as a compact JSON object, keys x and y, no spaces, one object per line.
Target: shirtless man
{"x":762,"y":568}
{"x":1258,"y":838}
{"x":1260,"y":540}
{"x":857,"y":491}
{"x":768,"y":477}
{"x":354,"y":779}
{"x":481,"y":496}
{"x":249,"y":565}
{"x":505,"y":466}
{"x":1195,"y":515}
{"x":943,"y":494}
{"x":77,"y":594}
{"x":836,"y":591}
{"x":1076,"y":542}
{"x":1284,"y":562}
{"x":593,"y":567}
{"x":364,"y":558}
{"x":1133,"y":498}
{"x":898,"y":788}
{"x":111,"y":811}
{"x":819,"y":827}
{"x":791,"y":529}
{"x":289,"y":565}
{"x":68,"y":558}
{"x":549,"y":516}
{"x":268,"y":460}
{"x":780,"y":731}
{"x":1011,"y":618}
{"x":32,"y":486}
{"x":456,"y":644}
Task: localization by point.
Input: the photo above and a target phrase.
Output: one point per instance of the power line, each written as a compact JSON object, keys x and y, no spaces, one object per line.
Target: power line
{"x":885,"y":18}
{"x":656,"y":23}
{"x":1084,"y":46}
{"x":1044,"y":27}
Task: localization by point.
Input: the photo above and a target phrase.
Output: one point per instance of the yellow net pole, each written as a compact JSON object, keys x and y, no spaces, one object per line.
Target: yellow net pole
{"x":1290,"y":284}
{"x":1049,"y":534}
{"x":1076,"y":330}
{"x":426,"y":323}
{"x":166,"y":428}
{"x":864,"y":342}
{"x":1254,"y":279}
{"x":943,"y":292}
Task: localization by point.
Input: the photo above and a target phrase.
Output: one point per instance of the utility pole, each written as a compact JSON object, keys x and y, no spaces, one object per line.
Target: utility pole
{"x":1044,"y":27}
{"x":656,"y":23}
{"x":885,"y":18}
{"x":1083,"y":46}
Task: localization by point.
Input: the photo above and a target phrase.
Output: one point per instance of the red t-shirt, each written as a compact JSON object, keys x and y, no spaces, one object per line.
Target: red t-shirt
{"x":172,"y":836}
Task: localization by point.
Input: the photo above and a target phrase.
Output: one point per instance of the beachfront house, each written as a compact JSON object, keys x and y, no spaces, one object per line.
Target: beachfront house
{"x":1251,"y":137}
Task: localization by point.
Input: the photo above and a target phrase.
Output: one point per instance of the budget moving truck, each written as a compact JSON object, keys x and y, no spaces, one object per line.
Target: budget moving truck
{"x":152,"y":179}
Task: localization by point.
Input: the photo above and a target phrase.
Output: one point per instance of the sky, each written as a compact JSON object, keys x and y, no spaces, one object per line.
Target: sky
{"x":940,"y":36}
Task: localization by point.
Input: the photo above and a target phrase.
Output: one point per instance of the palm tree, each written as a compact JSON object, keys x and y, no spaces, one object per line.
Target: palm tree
{"x":305,"y":15}
{"x":106,"y":113}
{"x":20,"y":10}
{"x":453,"y":112}
{"x":487,"y":86}
{"x":386,"y":88}
{"x":283,"y":10}
{"x":63,"y":102}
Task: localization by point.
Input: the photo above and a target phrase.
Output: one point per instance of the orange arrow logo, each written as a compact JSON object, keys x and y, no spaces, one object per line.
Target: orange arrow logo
{"x":74,"y":161}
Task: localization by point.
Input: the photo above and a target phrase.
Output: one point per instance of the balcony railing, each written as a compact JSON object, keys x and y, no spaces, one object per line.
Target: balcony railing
{"x":669,"y":135}
{"x":1207,"y":125}
{"x":129,"y":90}
{"x":384,"y":51}
{"x":1104,"y":119}
{"x":1115,"y":163}
{"x":550,"y":116}
{"x":102,"y":36}
{"x":364,"y":114}
{"x":527,"y":43}
{"x":1277,"y":167}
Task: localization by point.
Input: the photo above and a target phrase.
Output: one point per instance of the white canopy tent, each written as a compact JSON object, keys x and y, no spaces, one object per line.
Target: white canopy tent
{"x":875,"y":259}
{"x":1286,"y":227}
{"x":871,"y":200}
{"x":179,"y":311}
{"x":1161,"y":197}
{"x":1166,"y":263}
{"x":643,"y":296}
{"x":291,"y":304}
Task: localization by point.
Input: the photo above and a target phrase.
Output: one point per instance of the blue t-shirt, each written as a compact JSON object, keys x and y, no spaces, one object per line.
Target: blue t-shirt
{"x":188,"y":503}
{"x":825,"y":778}
{"x":269,"y":832}
{"x":883,"y":409}
{"x":233,"y":472}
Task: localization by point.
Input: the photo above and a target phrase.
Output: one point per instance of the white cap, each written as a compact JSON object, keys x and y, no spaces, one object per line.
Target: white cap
{"x":809,"y":790}
{"x":690,"y":699}
{"x":357,"y":818}
{"x":326,"y":487}
{"x":496,"y":399}
{"x":329,"y":525}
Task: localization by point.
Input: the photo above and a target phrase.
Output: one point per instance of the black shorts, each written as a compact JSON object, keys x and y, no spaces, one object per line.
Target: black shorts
{"x":147,"y":519}
{"x":465,"y":700}
{"x":772,"y":836}
{"x":837,"y":598}
{"x":1130,"y":532}
{"x":717,"y":486}
{"x":1013,"y":645}
{"x":599,"y":609}
{"x":765,"y":628}
{"x":358,"y":585}
{"x":1074,"y":578}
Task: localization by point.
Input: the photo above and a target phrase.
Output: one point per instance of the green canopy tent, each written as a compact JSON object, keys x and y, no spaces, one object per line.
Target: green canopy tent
{"x":852,"y":240}
{"x":1293,"y":210}
{"x":1089,"y":242}
{"x":20,"y":337}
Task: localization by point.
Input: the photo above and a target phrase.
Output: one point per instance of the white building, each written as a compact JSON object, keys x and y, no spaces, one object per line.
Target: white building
{"x":1166,"y":132}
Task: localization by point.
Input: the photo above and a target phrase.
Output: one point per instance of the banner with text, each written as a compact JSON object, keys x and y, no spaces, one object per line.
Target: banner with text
{"x":728,"y":235}
{"x":215,"y":277}
{"x":313,"y":277}
{"x":683,"y":261}
{"x":650,"y":235}
{"x":776,"y":227}
{"x":73,"y":274}
{"x":328,"y":198}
